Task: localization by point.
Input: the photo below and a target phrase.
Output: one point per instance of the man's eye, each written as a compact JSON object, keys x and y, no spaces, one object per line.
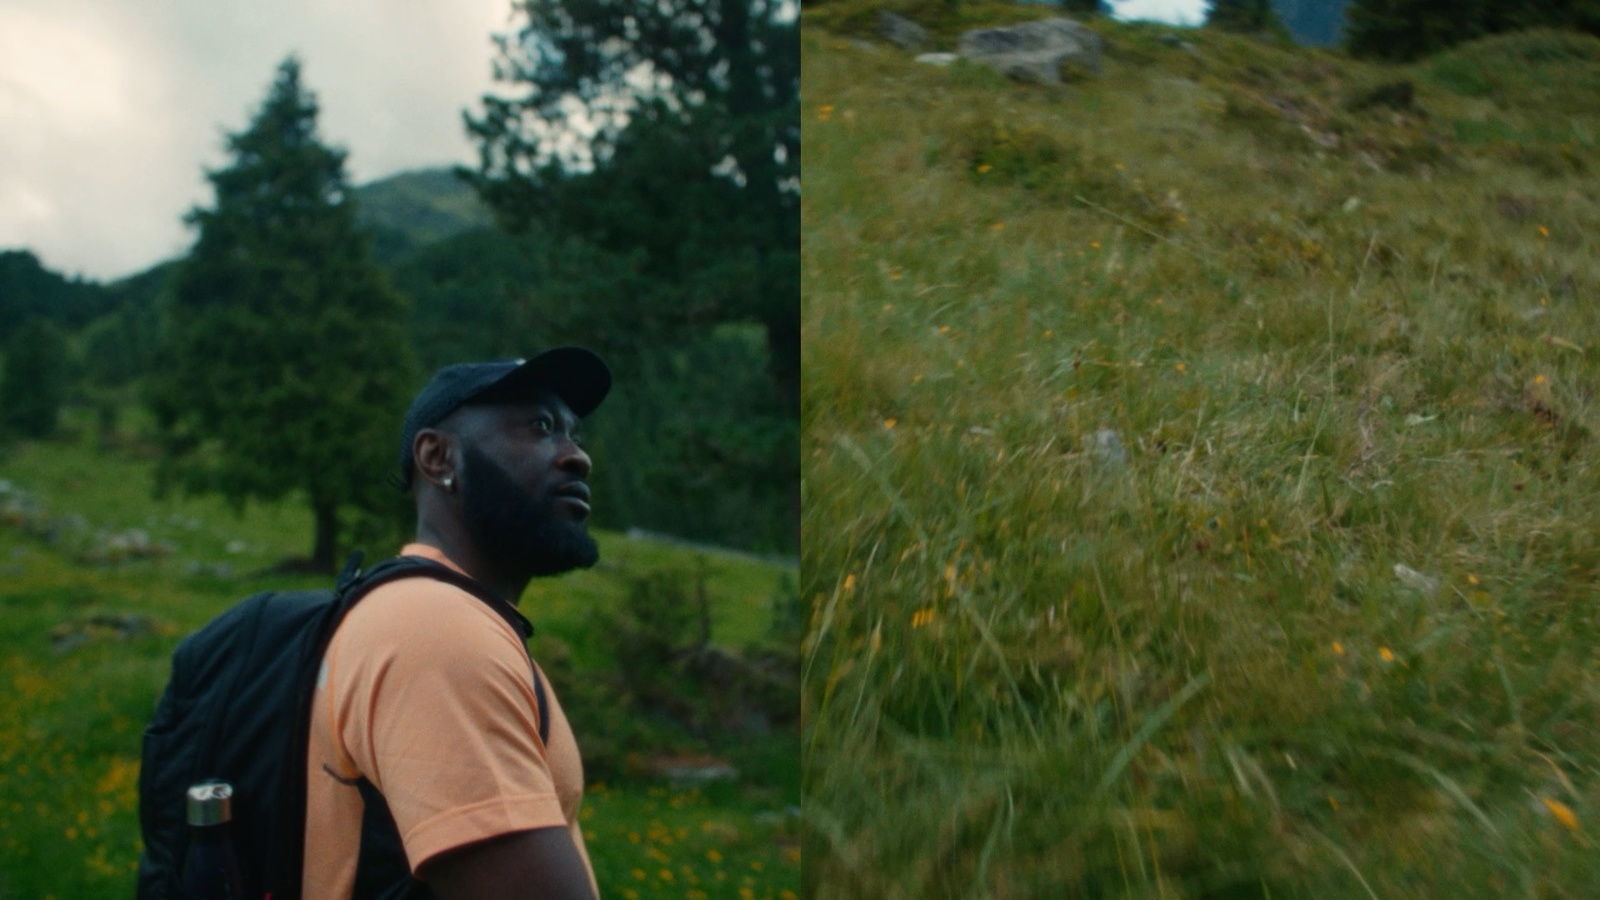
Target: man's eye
{"x":544,"y":424}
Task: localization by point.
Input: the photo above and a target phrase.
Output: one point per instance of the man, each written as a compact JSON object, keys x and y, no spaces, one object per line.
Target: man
{"x":426,"y":692}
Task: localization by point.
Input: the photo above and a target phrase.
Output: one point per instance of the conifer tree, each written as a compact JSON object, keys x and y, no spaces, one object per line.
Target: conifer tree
{"x":690,"y":184}
{"x":682,"y":210}
{"x":282,"y":366}
{"x":1408,"y":29}
{"x":1252,"y":16}
{"x":33,"y":380}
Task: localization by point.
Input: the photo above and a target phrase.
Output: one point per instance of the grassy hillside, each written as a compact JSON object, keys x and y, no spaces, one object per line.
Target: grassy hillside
{"x":98,"y":583}
{"x":1200,"y":471}
{"x":413,"y":209}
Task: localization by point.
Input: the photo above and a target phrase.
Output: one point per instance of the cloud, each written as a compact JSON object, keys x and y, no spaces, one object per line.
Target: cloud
{"x":112,"y":111}
{"x":1175,"y":12}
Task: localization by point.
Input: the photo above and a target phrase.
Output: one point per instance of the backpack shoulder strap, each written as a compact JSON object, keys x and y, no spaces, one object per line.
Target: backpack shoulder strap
{"x":356,"y":584}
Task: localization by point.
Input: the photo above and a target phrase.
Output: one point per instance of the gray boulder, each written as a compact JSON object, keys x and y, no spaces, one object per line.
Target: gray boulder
{"x":1034,"y":51}
{"x":901,"y":31}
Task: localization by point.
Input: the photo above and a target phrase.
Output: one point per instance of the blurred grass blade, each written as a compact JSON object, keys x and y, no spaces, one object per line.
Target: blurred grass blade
{"x":1445,"y":781}
{"x":1348,"y":863}
{"x":1152,"y":723}
{"x":872,"y":471}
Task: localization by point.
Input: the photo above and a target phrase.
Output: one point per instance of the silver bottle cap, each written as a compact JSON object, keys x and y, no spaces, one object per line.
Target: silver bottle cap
{"x":210,"y":803}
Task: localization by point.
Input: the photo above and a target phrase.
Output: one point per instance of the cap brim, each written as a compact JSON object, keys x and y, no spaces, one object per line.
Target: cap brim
{"x":577,"y":375}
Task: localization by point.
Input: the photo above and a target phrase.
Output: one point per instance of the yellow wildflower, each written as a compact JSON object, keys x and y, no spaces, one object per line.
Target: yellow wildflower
{"x":1562,"y":812}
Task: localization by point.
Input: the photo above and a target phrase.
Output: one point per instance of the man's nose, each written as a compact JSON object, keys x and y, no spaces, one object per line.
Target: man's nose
{"x":573,"y":459}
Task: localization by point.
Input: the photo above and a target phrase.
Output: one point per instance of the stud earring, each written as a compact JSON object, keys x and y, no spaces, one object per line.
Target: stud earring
{"x":449,"y":482}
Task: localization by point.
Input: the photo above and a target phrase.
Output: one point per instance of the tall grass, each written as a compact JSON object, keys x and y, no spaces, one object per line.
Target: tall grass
{"x":1199,"y":477}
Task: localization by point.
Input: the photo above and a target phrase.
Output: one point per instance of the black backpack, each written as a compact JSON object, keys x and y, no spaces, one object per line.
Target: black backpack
{"x":238,"y":709}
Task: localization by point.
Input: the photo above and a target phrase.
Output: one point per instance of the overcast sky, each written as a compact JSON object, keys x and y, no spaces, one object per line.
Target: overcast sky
{"x":110,"y":110}
{"x":1177,"y":12}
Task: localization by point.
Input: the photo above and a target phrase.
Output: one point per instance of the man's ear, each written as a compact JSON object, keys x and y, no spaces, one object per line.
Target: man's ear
{"x":435,"y":454}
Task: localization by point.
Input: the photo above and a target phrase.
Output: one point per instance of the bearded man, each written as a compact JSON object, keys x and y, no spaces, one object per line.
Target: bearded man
{"x":426,"y":710}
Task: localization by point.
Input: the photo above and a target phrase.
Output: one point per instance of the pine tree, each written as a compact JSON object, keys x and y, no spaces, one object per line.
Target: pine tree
{"x":1408,"y":29}
{"x":1085,"y":8}
{"x":33,"y":380}
{"x":694,"y":186}
{"x":282,"y":366}
{"x":683,"y":211}
{"x":1250,"y":16}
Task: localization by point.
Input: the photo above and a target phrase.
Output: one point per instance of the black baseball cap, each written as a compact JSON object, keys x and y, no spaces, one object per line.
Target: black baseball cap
{"x":575,"y":374}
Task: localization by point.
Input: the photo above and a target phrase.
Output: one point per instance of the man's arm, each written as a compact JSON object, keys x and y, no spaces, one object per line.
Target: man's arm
{"x":543,"y":863}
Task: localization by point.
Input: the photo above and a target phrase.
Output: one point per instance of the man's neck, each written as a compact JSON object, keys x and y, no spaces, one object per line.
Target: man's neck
{"x":460,"y":550}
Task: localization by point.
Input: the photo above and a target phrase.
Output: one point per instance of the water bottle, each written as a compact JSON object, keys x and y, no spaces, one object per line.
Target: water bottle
{"x":211,"y":868}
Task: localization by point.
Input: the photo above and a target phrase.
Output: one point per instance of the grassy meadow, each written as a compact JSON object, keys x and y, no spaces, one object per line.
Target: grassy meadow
{"x":86,"y":634}
{"x":1201,"y":488}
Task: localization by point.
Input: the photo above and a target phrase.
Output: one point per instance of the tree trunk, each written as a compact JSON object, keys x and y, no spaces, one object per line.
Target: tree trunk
{"x":326,"y":516}
{"x":703,"y":601}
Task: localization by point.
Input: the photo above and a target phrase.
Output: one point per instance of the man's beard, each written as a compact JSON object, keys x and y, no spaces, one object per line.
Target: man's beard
{"x":517,"y":529}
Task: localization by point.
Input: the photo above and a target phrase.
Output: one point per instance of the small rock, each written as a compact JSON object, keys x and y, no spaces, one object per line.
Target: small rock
{"x":1106,"y":446}
{"x":214,"y":570}
{"x":938,"y":59}
{"x":113,"y":626}
{"x":788,"y":813}
{"x":901,"y":31}
{"x":1035,"y":51}
{"x":1411,"y":578}
{"x":685,"y":770}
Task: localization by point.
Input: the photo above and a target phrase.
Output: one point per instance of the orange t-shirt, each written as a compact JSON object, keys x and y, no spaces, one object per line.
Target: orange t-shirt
{"x":427,"y":693}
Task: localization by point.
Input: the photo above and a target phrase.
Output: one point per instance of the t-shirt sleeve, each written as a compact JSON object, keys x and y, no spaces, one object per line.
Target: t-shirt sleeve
{"x":437,"y":710}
